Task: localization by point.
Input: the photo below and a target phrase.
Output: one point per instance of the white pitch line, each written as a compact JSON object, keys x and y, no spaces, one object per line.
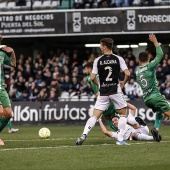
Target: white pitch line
{"x":35,"y":140}
{"x":61,"y":147}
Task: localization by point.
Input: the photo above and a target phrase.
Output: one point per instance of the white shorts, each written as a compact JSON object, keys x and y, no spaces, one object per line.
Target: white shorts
{"x":103,"y":102}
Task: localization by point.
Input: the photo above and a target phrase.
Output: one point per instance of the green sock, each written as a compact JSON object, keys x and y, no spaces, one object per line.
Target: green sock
{"x":9,"y":125}
{"x":3,"y":123}
{"x":158,"y":120}
{"x":112,"y":125}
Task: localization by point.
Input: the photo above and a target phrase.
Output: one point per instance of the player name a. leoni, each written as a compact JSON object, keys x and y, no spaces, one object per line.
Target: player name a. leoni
{"x":108,"y":62}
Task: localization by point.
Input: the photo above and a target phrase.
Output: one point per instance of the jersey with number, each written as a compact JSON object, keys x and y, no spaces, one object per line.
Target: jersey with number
{"x":146,"y":76}
{"x":108,"y":68}
{"x":4,"y":59}
{"x":92,"y":84}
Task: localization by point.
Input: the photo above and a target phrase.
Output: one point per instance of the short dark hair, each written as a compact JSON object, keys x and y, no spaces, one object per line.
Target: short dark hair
{"x":108,"y":42}
{"x":143,"y":57}
{"x":88,"y":65}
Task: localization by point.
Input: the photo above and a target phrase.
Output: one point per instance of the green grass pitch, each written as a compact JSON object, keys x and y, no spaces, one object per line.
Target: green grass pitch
{"x":24,"y":150}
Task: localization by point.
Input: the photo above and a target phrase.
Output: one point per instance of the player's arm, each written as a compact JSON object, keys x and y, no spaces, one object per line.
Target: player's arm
{"x":94,"y":72}
{"x":124,"y":68}
{"x":103,"y":128}
{"x":94,"y":79}
{"x":132,"y":108}
{"x":159,"y":52}
{"x":10,"y":58}
{"x":13,"y":59}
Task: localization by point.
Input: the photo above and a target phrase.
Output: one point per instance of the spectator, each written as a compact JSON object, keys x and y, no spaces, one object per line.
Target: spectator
{"x":131,"y":89}
{"x":160,"y":75}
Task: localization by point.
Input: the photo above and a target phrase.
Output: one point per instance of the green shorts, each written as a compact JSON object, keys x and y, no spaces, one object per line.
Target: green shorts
{"x":4,"y":99}
{"x":158,"y":103}
{"x":111,"y":111}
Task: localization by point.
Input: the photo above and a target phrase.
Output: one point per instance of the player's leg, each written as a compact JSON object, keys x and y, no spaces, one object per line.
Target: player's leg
{"x":142,"y":136}
{"x":158,"y":120}
{"x":10,"y":129}
{"x":120,"y":104}
{"x":7,"y":111}
{"x":158,"y":104}
{"x":1,"y":112}
{"x":101,"y":104}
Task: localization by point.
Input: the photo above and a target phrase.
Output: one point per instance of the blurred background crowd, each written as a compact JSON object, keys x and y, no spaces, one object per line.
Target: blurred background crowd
{"x":75,"y":4}
{"x":59,"y":75}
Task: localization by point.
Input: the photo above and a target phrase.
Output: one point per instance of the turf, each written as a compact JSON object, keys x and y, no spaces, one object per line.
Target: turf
{"x":25,"y":150}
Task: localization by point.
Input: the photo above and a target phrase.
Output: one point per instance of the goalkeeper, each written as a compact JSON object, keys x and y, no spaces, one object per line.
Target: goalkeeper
{"x":111,"y":111}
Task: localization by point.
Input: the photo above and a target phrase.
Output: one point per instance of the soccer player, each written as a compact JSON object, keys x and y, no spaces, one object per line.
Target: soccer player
{"x":7,"y":83}
{"x":10,"y":129}
{"x":146,"y":78}
{"x":5,"y":105}
{"x":107,"y":67}
{"x":111,"y":111}
{"x":140,"y":133}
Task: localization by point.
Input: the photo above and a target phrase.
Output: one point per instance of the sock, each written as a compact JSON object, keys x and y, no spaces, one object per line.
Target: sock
{"x":89,"y":124}
{"x":9,"y":125}
{"x":3,"y":123}
{"x":141,"y":136}
{"x":121,"y":126}
{"x":158,"y":120}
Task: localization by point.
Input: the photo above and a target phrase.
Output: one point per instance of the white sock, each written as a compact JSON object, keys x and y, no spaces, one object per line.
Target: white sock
{"x":121,"y":126}
{"x":131,"y":120}
{"x":89,"y":124}
{"x":141,"y":136}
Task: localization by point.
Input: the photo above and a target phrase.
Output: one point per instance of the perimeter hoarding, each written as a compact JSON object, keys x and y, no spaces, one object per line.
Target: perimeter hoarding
{"x":30,"y":24}
{"x":64,"y":112}
{"x":85,"y":22}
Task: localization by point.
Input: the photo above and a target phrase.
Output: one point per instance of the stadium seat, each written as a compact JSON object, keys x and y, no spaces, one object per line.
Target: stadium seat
{"x":84,"y":98}
{"x":55,"y":3}
{"x":37,"y":4}
{"x":11,"y":5}
{"x":3,"y":5}
{"x":64,"y":96}
{"x":136,"y":2}
{"x":46,"y":4}
{"x":74,"y":98}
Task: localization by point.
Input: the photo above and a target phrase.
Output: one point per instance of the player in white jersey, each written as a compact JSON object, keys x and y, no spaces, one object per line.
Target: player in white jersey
{"x":140,"y":133}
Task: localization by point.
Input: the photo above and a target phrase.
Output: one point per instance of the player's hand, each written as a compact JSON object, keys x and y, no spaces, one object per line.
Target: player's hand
{"x":153,"y":38}
{"x":122,"y":84}
{"x":2,"y":46}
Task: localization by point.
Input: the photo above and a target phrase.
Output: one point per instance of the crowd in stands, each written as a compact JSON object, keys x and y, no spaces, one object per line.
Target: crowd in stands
{"x":75,"y":4}
{"x":48,"y":76}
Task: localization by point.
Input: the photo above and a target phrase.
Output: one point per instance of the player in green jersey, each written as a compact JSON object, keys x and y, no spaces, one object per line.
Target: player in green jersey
{"x":146,"y":78}
{"x":5,"y":105}
{"x":111,"y":110}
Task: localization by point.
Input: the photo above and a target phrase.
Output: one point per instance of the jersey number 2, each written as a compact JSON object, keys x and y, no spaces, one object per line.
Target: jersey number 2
{"x":108,"y":78}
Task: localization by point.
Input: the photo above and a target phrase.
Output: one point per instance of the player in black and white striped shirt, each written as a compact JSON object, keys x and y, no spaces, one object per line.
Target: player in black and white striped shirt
{"x":108,"y":68}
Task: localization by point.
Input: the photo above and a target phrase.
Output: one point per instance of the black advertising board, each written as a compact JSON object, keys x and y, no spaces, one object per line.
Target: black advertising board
{"x":85,"y":22}
{"x":154,"y":19}
{"x":32,"y":23}
{"x":94,"y":21}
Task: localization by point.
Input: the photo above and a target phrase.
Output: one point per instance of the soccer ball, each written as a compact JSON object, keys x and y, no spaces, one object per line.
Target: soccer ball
{"x":44,"y":133}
